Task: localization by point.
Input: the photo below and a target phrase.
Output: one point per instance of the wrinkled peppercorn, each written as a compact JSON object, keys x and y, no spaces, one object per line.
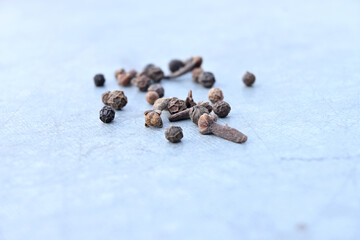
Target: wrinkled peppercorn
{"x":206,"y":79}
{"x":196,"y":73}
{"x":175,"y":65}
{"x":249,"y":79}
{"x":155,"y":73}
{"x":107,"y":114}
{"x":99,"y":80}
{"x":142,"y":82}
{"x":115,"y":99}
{"x":215,"y":95}
{"x":157,"y":88}
{"x":147,"y":67}
{"x":221,"y":108}
{"x":196,"y":112}
{"x":152,"y":118}
{"x":176,"y":105}
{"x":174,"y":134}
{"x":151,"y":97}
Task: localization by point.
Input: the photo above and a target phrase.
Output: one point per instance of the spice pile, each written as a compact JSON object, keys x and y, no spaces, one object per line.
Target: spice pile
{"x":148,"y":81}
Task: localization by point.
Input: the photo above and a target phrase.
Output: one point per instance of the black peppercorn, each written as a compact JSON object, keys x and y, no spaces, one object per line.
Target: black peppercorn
{"x":142,"y":82}
{"x":157,"y":88}
{"x":249,"y":79}
{"x":107,"y":114}
{"x":206,"y":79}
{"x":175,"y":65}
{"x":221,"y":108}
{"x":99,"y":80}
{"x":196,"y":112}
{"x":174,"y":134}
{"x":176,"y":105}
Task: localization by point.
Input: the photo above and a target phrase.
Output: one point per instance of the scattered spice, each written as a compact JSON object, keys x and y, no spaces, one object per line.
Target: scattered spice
{"x":183,"y":115}
{"x":176,"y":105}
{"x":190,"y":64}
{"x":175,"y":65}
{"x":115,"y":99}
{"x":107,"y":114}
{"x":151,"y":97}
{"x":162,"y":104}
{"x":189,"y":100}
{"x":157,"y":88}
{"x":215,"y":95}
{"x":196,"y":112}
{"x":142,"y":82}
{"x":124,"y":79}
{"x":221,"y":108}
{"x":208,"y":125}
{"x":196,"y":73}
{"x":133,"y":73}
{"x":99,"y":80}
{"x":174,"y":134}
{"x":207,"y":79}
{"x":155,"y":73}
{"x":120,"y":71}
{"x":249,"y":79}
{"x":152,"y":118}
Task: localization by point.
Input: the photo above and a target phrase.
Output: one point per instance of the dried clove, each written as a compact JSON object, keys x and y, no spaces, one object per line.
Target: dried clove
{"x":196,"y":73}
{"x":151,"y":97}
{"x":157,"y":88}
{"x":174,"y":134}
{"x":115,"y":99}
{"x":215,"y":95}
{"x":249,"y":79}
{"x":221,"y":108}
{"x":183,"y":115}
{"x":189,"y":100}
{"x":207,"y":79}
{"x":142,"y":82}
{"x":99,"y":80}
{"x":196,"y":112}
{"x":190,"y":64}
{"x":152,"y":118}
{"x":175,"y":65}
{"x":208,"y":125}
{"x":176,"y":105}
{"x":107,"y":114}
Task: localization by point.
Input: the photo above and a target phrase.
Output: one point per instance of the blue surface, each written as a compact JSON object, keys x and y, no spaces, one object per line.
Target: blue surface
{"x":65,"y":175}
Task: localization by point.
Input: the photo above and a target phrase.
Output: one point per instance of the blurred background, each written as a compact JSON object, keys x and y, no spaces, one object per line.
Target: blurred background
{"x":65,"y":175}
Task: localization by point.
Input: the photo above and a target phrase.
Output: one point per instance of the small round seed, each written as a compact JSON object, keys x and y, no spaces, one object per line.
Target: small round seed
{"x":175,"y":65}
{"x":221,"y":108}
{"x":215,"y":95}
{"x":107,"y":114}
{"x":207,"y":79}
{"x":151,"y":97}
{"x":157,"y":88}
{"x":174,"y":134}
{"x":249,"y":79}
{"x":99,"y":80}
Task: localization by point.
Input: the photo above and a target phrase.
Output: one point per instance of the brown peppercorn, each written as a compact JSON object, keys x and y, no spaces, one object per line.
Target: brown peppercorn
{"x":221,"y":108}
{"x":206,"y":79}
{"x":115,"y":99}
{"x":196,"y":73}
{"x":176,"y":105}
{"x":124,"y":79}
{"x":142,"y":82}
{"x":151,"y":97}
{"x":196,"y":112}
{"x":157,"y":88}
{"x":155,"y":73}
{"x":105,"y":97}
{"x":152,"y":118}
{"x":133,"y":73}
{"x":215,"y":94}
{"x":120,"y":71}
{"x":174,"y":134}
{"x":249,"y":79}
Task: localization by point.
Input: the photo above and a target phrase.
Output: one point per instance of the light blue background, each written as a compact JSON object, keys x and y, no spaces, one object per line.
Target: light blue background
{"x":65,"y":175}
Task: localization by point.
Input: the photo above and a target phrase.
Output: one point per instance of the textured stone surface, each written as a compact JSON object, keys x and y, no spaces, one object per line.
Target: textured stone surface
{"x":66,"y":175}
